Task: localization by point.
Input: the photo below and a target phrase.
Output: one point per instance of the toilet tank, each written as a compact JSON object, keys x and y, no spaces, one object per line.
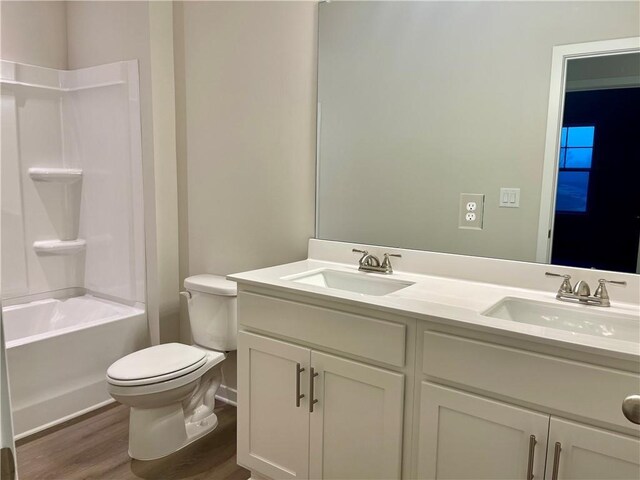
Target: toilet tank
{"x":212,"y":311}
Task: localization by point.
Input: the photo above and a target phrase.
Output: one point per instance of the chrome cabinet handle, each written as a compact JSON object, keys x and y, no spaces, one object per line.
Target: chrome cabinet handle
{"x":532,"y":448}
{"x":631,"y":408}
{"x":299,"y":396}
{"x":312,"y":401}
{"x":556,"y":461}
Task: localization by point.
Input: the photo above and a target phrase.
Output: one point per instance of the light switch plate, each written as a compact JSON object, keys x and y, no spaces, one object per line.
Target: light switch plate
{"x":510,"y":197}
{"x":471,"y":211}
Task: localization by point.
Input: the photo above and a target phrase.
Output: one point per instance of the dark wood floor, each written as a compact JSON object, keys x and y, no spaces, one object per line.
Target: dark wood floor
{"x":95,"y":447}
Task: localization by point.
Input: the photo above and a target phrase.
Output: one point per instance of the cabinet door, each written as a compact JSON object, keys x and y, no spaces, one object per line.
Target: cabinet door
{"x":464,"y":436}
{"x":590,"y":453}
{"x":356,"y":425}
{"x":273,"y":433}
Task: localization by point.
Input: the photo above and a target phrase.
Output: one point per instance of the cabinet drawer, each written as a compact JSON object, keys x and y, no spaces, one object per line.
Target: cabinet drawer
{"x":577,"y":388}
{"x":355,"y":334}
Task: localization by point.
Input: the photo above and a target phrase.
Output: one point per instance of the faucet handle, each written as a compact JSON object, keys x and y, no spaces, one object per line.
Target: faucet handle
{"x":367,"y":260}
{"x":551,"y":274}
{"x":363,"y":252}
{"x":566,"y":284}
{"x":387,"y":255}
{"x":601,"y":291}
{"x":602,"y":281}
{"x":386,"y":262}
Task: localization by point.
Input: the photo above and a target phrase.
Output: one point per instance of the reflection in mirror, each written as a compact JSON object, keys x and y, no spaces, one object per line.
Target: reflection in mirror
{"x":597,"y":209}
{"x":421,"y":102}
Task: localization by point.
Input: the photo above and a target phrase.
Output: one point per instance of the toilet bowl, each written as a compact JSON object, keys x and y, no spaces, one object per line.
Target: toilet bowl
{"x":171,"y":387}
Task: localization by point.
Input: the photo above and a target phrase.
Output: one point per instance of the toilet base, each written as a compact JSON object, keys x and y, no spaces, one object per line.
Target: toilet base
{"x":158,"y":432}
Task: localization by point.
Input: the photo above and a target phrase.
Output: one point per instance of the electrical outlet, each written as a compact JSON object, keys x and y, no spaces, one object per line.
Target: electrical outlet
{"x":471,"y":211}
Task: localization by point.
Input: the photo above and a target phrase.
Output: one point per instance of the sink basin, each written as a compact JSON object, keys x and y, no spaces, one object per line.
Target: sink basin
{"x":595,"y":321}
{"x":352,"y":282}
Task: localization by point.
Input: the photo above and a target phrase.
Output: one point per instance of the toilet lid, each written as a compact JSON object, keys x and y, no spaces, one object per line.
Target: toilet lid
{"x":169,"y":360}
{"x":213,"y":284}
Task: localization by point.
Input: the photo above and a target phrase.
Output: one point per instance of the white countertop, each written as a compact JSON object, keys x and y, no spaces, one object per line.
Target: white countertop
{"x":451,"y":301}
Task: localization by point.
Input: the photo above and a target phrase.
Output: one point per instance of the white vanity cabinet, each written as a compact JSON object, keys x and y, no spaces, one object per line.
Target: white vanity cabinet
{"x":465,"y":435}
{"x":356,"y":426}
{"x":586,"y":453}
{"x":273,"y":432}
{"x":308,"y":414}
{"x":338,"y":389}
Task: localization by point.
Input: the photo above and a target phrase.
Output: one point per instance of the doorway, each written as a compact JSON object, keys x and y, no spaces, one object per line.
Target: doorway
{"x":590,"y":203}
{"x":597,"y":213}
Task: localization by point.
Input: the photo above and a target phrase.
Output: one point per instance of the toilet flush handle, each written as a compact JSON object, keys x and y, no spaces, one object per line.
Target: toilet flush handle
{"x":187,"y":294}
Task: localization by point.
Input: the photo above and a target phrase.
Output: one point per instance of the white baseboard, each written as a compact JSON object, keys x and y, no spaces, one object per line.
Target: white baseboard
{"x":227,"y":395}
{"x":60,"y":420}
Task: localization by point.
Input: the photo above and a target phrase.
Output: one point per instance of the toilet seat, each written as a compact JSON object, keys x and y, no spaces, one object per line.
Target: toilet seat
{"x":123,"y":388}
{"x":156,"y":364}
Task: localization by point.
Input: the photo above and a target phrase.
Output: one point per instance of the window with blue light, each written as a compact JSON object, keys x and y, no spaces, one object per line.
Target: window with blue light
{"x":574,"y":168}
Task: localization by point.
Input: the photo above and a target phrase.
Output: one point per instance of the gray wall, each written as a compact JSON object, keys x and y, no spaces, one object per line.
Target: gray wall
{"x":245,"y":110}
{"x":249,"y":113}
{"x":34,"y":33}
{"x":422,"y":101}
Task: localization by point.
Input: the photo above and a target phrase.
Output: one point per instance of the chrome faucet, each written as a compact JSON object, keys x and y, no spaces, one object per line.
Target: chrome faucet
{"x":582,"y":293}
{"x":371,"y":263}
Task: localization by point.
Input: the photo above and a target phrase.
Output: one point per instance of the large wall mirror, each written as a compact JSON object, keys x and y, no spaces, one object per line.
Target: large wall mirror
{"x":420,"y":103}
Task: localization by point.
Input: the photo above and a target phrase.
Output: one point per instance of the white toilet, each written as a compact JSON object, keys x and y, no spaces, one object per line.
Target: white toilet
{"x":171,"y":387}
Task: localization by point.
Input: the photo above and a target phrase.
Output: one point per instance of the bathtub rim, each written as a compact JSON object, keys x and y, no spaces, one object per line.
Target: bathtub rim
{"x":130,"y":312}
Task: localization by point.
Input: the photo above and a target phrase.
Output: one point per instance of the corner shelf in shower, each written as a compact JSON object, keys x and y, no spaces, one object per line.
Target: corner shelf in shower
{"x":59,"y":247}
{"x":55,"y":175}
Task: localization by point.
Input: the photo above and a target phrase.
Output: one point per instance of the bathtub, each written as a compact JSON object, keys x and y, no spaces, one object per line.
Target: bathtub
{"x":58,"y":352}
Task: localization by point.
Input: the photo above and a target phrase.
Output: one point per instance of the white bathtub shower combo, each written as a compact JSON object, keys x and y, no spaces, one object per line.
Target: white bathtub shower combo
{"x":73,"y":271}
{"x":57,"y":350}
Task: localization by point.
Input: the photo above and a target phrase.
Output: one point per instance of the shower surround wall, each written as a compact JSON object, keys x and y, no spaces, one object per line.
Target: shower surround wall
{"x":63,"y":123}
{"x":84,"y":119}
